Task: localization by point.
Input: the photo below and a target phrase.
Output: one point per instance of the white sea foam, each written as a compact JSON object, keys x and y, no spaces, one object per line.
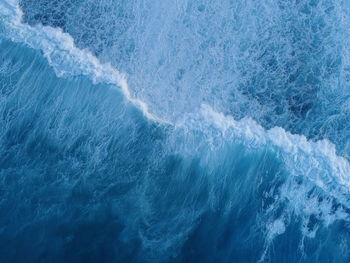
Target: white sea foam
{"x":62,"y":54}
{"x":316,"y":160}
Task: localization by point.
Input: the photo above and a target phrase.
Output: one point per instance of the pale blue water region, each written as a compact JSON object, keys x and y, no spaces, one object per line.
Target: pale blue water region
{"x":218,"y":132}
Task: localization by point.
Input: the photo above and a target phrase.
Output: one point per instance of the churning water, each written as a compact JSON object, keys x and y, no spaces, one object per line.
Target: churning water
{"x":174,"y":131}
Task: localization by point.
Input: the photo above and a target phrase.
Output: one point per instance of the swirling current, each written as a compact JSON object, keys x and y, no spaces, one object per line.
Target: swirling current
{"x":174,"y":131}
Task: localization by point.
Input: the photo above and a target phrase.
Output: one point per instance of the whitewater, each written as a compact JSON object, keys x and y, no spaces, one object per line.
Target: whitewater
{"x":137,"y":183}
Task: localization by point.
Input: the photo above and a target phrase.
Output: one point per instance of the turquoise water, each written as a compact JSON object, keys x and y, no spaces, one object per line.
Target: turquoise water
{"x":174,"y":131}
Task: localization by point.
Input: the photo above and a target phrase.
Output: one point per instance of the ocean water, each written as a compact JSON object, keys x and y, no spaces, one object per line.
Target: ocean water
{"x":174,"y":131}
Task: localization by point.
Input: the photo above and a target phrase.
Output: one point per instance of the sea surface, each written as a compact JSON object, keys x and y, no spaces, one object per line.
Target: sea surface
{"x":174,"y":131}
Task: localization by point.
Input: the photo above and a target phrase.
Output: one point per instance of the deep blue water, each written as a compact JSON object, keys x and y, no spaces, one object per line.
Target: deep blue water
{"x":174,"y":131}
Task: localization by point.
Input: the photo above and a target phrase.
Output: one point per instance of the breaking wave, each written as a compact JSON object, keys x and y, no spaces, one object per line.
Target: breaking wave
{"x":93,"y":166}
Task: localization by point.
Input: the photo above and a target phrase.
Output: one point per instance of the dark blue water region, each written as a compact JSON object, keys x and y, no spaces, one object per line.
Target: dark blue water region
{"x":84,"y":177}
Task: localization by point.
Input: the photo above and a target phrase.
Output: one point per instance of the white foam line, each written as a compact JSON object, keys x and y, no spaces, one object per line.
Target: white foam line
{"x":317,"y":161}
{"x":66,"y":59}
